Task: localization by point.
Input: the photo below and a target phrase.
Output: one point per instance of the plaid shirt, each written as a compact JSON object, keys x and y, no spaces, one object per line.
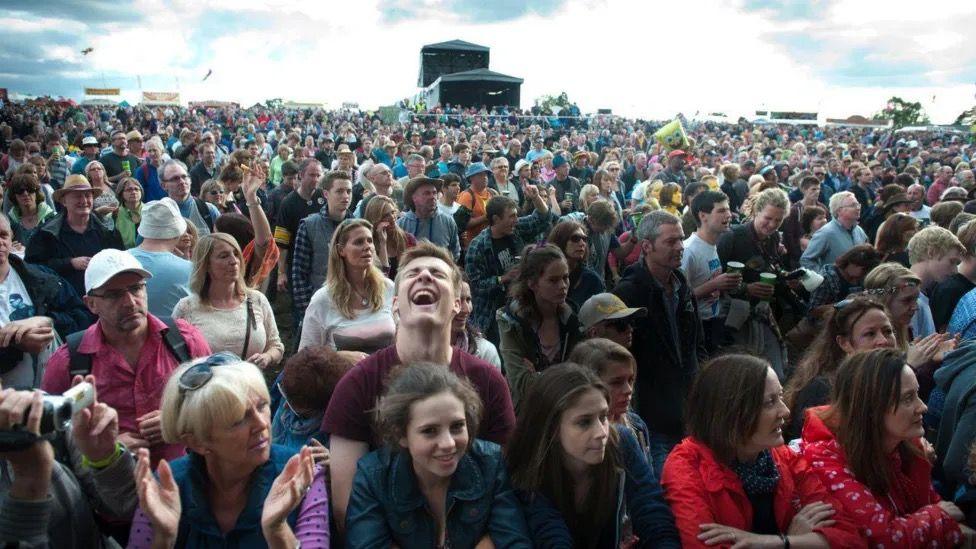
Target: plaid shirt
{"x":483,"y":266}
{"x":301,"y":269}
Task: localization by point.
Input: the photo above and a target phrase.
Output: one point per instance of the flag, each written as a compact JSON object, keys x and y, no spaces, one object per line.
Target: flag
{"x":672,"y":135}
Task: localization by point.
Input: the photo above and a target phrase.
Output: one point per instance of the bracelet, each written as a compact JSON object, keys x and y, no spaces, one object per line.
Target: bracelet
{"x":786,"y":541}
{"x":103,"y":463}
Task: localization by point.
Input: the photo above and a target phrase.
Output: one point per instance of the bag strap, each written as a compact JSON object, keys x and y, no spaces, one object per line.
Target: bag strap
{"x":204,"y":212}
{"x":248,"y":325}
{"x":174,"y":341}
{"x":79,"y":364}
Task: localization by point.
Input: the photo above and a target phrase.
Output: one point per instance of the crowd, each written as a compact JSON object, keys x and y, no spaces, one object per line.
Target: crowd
{"x":493,"y":332}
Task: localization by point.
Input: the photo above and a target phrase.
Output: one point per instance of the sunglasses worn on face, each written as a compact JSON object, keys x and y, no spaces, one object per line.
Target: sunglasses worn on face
{"x":619,"y":325}
{"x":199,"y":374}
{"x":23,"y":190}
{"x":215,"y":193}
{"x":577,"y":238}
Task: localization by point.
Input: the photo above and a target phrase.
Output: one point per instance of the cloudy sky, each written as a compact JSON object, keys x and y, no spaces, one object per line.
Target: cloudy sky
{"x":648,"y":58}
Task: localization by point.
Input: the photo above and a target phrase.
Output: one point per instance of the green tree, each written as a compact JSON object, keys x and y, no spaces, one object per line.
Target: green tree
{"x":551,"y":101}
{"x":275,"y":103}
{"x":903,"y":113}
{"x":966,"y":118}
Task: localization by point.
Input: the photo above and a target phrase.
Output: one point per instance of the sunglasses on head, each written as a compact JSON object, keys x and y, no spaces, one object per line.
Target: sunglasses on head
{"x":199,"y":374}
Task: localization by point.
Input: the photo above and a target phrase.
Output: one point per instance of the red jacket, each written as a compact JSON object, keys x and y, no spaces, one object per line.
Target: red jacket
{"x":702,"y":490}
{"x":907,"y":517}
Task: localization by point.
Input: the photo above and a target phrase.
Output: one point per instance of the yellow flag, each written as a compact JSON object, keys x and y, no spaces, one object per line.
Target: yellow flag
{"x":672,"y":135}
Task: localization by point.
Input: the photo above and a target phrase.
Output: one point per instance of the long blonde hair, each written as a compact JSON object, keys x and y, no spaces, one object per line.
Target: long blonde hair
{"x":343,"y":295}
{"x":200,"y":276}
{"x":374,"y":214}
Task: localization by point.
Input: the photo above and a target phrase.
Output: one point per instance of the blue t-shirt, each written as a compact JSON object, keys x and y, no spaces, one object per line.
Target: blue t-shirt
{"x":170,"y":280}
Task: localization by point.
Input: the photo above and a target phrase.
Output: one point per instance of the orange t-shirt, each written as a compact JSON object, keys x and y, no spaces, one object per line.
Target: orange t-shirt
{"x":465,"y":198}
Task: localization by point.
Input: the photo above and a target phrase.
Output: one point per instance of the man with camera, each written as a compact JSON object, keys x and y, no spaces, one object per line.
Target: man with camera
{"x":130,"y":351}
{"x":47,"y":503}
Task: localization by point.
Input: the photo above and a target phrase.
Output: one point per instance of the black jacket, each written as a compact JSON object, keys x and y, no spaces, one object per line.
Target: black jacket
{"x":666,"y":362}
{"x":47,"y":248}
{"x":52,"y":297}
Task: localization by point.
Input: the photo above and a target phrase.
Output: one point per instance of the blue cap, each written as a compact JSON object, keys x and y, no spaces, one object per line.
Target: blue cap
{"x":475,"y":168}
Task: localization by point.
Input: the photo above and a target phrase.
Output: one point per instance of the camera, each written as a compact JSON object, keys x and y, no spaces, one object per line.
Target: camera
{"x":58,"y":410}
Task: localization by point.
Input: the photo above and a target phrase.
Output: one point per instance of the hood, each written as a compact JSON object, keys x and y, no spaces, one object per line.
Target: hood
{"x":814,"y":429}
{"x":954,"y":364}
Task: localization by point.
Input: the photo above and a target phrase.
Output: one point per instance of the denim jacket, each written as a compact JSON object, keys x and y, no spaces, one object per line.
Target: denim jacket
{"x":387,"y":505}
{"x":639,"y":496}
{"x":197,"y":525}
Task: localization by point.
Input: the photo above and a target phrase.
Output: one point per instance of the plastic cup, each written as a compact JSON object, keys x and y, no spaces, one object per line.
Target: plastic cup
{"x":734,"y":267}
{"x":126,"y":167}
{"x":769,"y":279}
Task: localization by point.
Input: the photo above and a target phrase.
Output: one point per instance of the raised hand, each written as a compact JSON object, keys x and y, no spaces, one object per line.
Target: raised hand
{"x":96,"y":428}
{"x":158,"y":499}
{"x":288,"y":490}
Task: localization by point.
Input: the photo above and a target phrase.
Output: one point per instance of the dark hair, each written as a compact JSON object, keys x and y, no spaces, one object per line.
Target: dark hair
{"x":862,"y":255}
{"x":808,"y":182}
{"x":310,"y":376}
{"x":231,"y":172}
{"x":449,"y":178}
{"x":904,"y":180}
{"x":693,"y":189}
{"x":559,"y":235}
{"x":824,"y":354}
{"x":867,"y":386}
{"x":809,"y":215}
{"x":536,"y":459}
{"x":893,"y":235}
{"x":497,"y":206}
{"x":727,"y":396}
{"x":331,"y":177}
{"x":238,"y":226}
{"x":705,"y":202}
{"x":535,"y":261}
{"x":415,"y":382}
{"x":943,"y":213}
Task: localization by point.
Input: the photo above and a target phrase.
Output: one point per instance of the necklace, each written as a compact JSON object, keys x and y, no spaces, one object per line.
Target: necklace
{"x":365,"y":300}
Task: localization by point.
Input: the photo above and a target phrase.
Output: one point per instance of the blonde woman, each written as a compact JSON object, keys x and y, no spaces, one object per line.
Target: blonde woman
{"x":231,"y":316}
{"x":106,"y":203}
{"x":353,"y":310}
{"x":390,"y":240}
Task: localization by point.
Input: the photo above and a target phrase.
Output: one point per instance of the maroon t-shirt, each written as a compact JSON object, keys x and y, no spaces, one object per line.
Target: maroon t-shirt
{"x":356,"y":394}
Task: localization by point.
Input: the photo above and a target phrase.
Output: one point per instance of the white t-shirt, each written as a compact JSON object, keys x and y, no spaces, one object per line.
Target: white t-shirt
{"x":700,"y":263}
{"x":368,"y":331}
{"x":448,"y":210}
{"x":16,"y":304}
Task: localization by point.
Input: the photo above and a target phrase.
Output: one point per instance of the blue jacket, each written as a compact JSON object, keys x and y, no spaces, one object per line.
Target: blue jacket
{"x":639,"y":495}
{"x":387,"y":506}
{"x":197,"y":525}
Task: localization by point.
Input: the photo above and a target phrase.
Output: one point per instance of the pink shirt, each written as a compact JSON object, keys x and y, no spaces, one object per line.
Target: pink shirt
{"x":133,"y":392}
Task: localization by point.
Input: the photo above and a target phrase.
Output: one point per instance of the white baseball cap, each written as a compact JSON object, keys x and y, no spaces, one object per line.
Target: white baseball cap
{"x":108,"y":263}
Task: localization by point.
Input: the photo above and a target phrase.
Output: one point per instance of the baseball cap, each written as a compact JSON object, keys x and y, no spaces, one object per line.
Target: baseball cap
{"x":89,"y":140}
{"x":606,"y":306}
{"x":108,"y":263}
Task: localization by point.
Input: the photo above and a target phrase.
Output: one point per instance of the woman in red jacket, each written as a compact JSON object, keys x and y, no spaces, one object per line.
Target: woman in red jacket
{"x":733,"y":482}
{"x":866,"y":448}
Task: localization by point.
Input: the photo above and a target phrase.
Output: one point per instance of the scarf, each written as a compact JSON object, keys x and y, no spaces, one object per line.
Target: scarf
{"x":759,"y":477}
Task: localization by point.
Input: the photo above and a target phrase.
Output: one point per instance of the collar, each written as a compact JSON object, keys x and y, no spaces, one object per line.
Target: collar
{"x":467,"y":483}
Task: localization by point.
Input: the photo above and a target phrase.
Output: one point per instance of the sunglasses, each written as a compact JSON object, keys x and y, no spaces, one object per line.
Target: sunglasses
{"x":620,"y":324}
{"x":577,"y":238}
{"x":24,"y":190}
{"x":199,"y":374}
{"x":215,"y":193}
{"x":115,"y":295}
{"x":287,"y":403}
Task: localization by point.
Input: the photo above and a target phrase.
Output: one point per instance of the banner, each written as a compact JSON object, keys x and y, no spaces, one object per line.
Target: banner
{"x":101,"y":91}
{"x":161,"y":97}
{"x":672,"y":135}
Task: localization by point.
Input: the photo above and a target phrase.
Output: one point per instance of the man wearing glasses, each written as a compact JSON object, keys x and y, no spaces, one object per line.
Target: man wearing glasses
{"x":606,"y":315}
{"x":130,"y":352}
{"x":838,"y":236}
{"x":176,"y":181}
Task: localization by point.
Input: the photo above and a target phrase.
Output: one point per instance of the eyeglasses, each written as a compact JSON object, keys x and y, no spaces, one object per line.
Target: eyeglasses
{"x":25,"y":190}
{"x":115,"y":295}
{"x":577,"y":238}
{"x":199,"y":374}
{"x":182,"y":176}
{"x":217,"y":192}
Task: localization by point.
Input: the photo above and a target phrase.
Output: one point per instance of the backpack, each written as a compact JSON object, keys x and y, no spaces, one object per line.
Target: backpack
{"x":80,"y":364}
